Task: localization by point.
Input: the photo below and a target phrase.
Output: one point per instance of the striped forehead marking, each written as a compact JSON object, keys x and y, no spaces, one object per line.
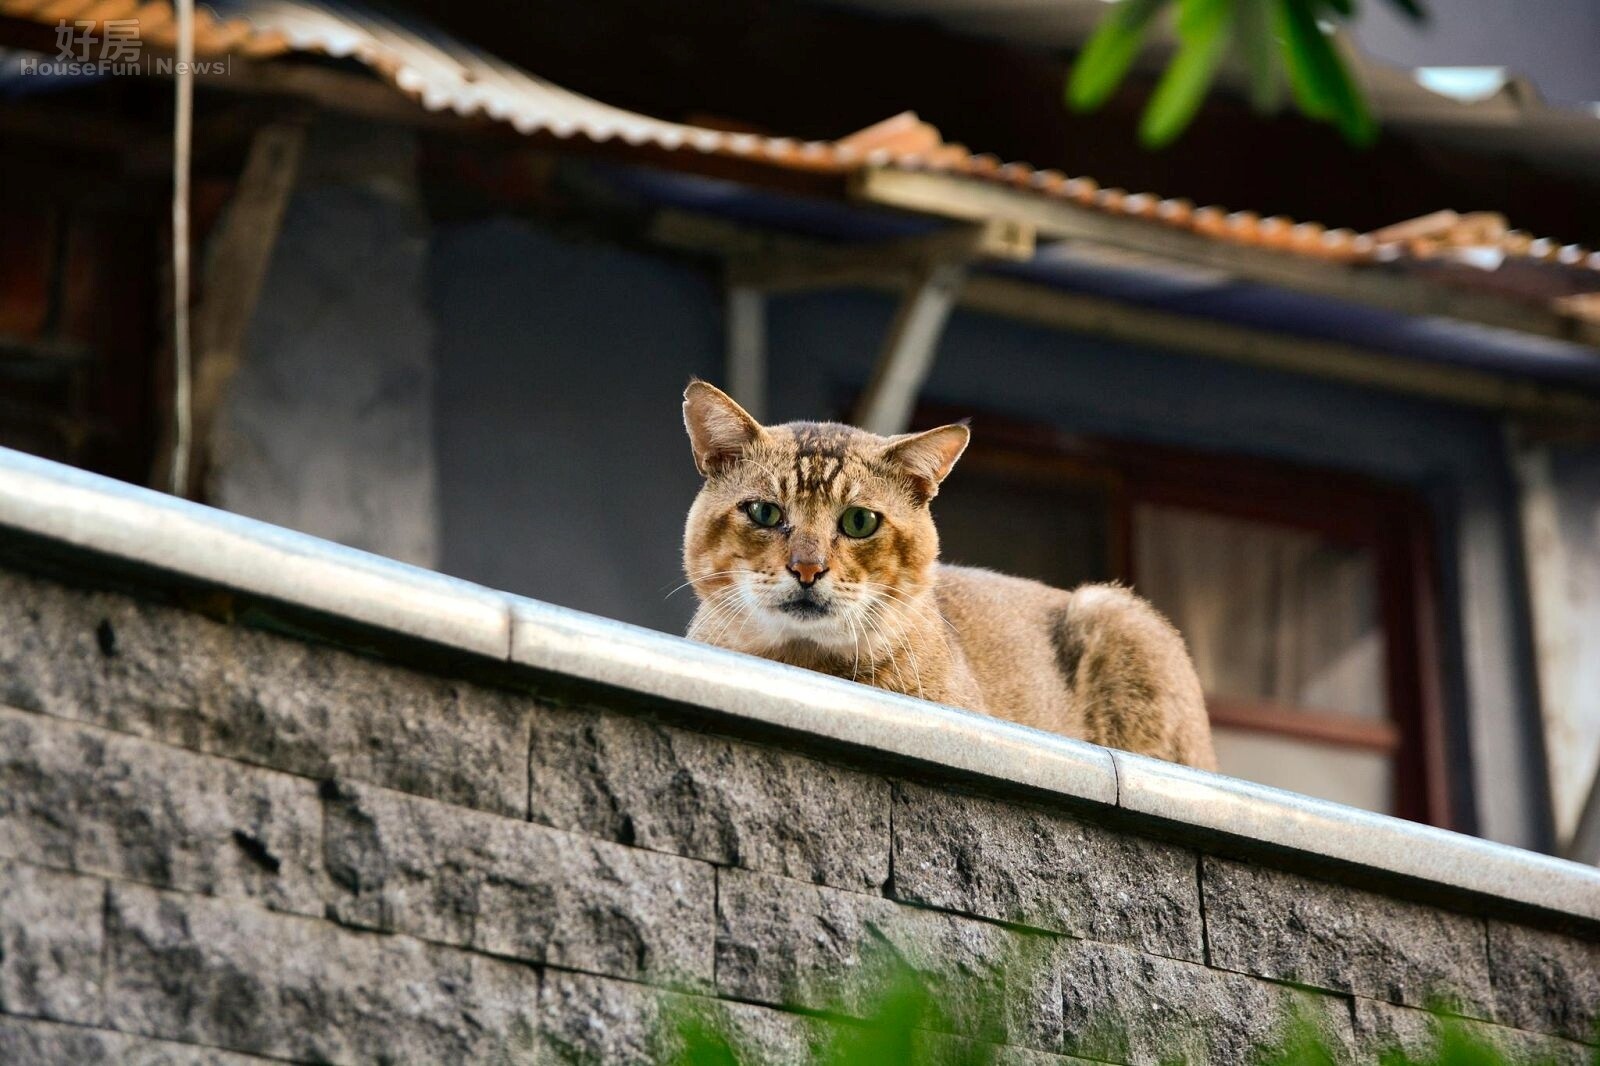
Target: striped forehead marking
{"x":820,"y":454}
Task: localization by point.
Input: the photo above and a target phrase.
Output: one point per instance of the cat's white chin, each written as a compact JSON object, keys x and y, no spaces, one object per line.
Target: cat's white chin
{"x":827,"y":630}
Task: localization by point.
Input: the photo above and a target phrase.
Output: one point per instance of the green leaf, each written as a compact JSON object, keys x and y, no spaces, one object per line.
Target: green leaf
{"x":1193,"y":15}
{"x":1317,"y":75}
{"x":903,"y":1023}
{"x":1253,"y":22}
{"x":701,"y":1044}
{"x":1345,"y":8}
{"x":1110,"y":52}
{"x":1203,"y":35}
{"x":1308,"y":90}
{"x":889,"y":1035}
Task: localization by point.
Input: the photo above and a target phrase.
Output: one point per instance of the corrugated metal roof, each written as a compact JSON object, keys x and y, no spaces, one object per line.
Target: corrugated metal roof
{"x":445,"y":74}
{"x":440,"y":72}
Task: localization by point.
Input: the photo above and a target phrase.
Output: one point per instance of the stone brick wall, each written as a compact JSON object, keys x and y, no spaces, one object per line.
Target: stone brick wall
{"x":223,"y":845}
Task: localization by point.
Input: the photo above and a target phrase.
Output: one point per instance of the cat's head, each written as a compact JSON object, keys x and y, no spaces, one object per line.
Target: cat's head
{"x":808,"y":531}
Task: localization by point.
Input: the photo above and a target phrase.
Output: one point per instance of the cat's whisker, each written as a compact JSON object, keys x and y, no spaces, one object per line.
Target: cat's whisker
{"x":895,"y":658}
{"x":735,"y":609}
{"x":860,"y":635}
{"x":697,"y":574}
{"x":944,"y":638}
{"x":923,"y":612}
{"x":692,"y":578}
{"x":743,"y":616}
{"x":855,"y":641}
{"x":711,"y":612}
{"x":703,"y":577}
{"x":911,"y":655}
{"x":927,"y":609}
{"x":699,"y":627}
{"x":717,"y":627}
{"x":726,"y":609}
{"x":875,"y":619}
{"x":874,"y":656}
{"x":901,"y":596}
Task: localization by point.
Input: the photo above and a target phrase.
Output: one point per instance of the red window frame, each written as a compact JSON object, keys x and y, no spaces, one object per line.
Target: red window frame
{"x":1391,"y":522}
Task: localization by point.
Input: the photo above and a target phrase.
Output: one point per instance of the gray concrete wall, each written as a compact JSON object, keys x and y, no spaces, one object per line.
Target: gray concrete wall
{"x":220,"y":845}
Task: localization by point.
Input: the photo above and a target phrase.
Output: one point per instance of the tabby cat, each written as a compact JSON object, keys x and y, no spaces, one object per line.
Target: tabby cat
{"x":812,"y":543}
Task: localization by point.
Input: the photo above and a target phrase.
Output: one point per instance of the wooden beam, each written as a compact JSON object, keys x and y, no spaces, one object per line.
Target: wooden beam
{"x":1327,"y":727}
{"x":239,"y":252}
{"x":907,"y":357}
{"x":1544,"y":556}
{"x":1172,"y":331}
{"x":950,"y":196}
{"x":810,"y":266}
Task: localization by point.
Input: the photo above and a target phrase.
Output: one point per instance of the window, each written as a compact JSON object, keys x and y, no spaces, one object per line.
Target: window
{"x":1286,"y":635}
{"x":1305,"y":596}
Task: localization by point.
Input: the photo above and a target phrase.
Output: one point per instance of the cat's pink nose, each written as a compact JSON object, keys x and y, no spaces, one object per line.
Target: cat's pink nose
{"x":806,"y":572}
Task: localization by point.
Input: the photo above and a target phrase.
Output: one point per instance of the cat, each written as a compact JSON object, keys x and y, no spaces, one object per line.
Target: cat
{"x":812,"y":543}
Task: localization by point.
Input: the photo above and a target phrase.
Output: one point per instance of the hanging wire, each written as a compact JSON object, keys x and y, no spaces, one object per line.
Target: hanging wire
{"x":182,"y":145}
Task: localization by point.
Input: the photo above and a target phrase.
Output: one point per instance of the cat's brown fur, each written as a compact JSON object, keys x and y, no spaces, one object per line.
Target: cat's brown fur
{"x":1097,"y":663}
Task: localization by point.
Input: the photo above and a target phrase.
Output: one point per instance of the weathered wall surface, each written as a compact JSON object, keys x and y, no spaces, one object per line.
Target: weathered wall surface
{"x":328,"y":425}
{"x":222,"y":845}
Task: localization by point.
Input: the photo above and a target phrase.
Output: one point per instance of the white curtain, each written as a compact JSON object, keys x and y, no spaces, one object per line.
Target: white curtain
{"x":1270,"y":613}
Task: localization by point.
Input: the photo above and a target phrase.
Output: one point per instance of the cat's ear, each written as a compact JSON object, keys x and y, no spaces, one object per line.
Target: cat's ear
{"x":927,"y":457}
{"x":719,"y":429}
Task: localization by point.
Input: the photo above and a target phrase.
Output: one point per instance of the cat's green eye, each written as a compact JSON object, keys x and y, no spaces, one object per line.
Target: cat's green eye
{"x":764,"y":513}
{"x":859,"y":522}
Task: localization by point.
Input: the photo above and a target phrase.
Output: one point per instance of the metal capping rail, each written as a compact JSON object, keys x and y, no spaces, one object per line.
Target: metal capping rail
{"x":136,"y":525}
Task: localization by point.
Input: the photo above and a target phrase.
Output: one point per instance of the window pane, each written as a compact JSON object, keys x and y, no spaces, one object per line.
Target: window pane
{"x":1360,"y":778}
{"x":1270,"y":613}
{"x":1050,"y":532}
